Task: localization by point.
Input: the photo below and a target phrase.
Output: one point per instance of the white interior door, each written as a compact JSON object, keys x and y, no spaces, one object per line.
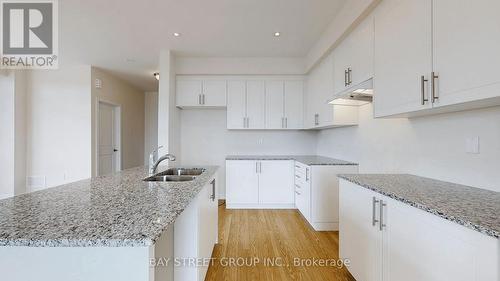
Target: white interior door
{"x":108,"y":139}
{"x":274,"y":105}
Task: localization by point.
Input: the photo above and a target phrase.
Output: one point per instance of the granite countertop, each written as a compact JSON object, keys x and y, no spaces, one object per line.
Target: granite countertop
{"x":475,"y":208}
{"x":118,"y":210}
{"x":309,"y":160}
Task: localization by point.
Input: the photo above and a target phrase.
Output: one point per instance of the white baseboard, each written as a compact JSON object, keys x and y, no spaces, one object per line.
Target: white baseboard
{"x":259,"y":206}
{"x":325,"y":226}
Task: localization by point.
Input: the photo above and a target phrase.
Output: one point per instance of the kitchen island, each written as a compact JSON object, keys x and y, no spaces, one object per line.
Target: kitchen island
{"x":105,"y":228}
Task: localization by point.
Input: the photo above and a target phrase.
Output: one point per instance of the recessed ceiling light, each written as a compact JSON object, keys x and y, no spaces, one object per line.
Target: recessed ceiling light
{"x":177,"y":34}
{"x":277,"y":34}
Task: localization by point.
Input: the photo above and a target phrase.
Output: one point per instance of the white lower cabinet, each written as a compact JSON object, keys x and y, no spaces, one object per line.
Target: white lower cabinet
{"x":259,"y":184}
{"x":195,"y":234}
{"x":317,"y":193}
{"x":411,"y":245}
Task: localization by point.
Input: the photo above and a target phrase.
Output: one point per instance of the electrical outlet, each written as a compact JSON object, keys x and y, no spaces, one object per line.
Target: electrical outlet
{"x":472,"y":145}
{"x":261,"y":141}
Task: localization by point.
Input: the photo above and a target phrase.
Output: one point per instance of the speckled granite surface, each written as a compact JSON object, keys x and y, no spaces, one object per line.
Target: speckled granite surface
{"x":119,"y":210}
{"x":310,"y":160}
{"x":475,"y":208}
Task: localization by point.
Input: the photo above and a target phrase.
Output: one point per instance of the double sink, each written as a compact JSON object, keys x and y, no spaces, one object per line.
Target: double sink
{"x":176,"y":175}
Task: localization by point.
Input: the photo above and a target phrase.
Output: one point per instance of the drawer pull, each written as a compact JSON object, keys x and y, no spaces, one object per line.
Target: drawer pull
{"x":297,"y":176}
{"x":298,"y":186}
{"x":298,"y":193}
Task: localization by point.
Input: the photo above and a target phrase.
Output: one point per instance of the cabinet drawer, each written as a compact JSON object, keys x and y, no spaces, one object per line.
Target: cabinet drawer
{"x":303,"y":200}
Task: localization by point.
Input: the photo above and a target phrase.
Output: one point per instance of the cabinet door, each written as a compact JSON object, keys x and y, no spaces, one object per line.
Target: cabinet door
{"x":360,"y":241}
{"x":255,"y":104}
{"x":188,"y":93}
{"x":361,"y":58}
{"x":214,"y":93}
{"x":294,"y":104}
{"x":403,"y":53}
{"x":242,"y":182}
{"x":342,"y":59}
{"x":274,"y":105}
{"x":422,"y":246}
{"x":276,"y":182}
{"x":319,"y":90}
{"x":236,"y":104}
{"x":206,"y":240}
{"x":466,"y":45}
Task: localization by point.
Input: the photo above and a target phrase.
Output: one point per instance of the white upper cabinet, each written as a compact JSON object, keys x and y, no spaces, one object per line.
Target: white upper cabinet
{"x":284,"y":104}
{"x":403,"y":55}
{"x":214,"y":93}
{"x":245,"y":104}
{"x":274,"y":105}
{"x":188,"y":93}
{"x":236,"y":105}
{"x":353,"y":58}
{"x":256,"y":98}
{"x":466,"y":50}
{"x":200,"y":92}
{"x":320,"y":114}
{"x":433,"y":54}
{"x":294,"y":105}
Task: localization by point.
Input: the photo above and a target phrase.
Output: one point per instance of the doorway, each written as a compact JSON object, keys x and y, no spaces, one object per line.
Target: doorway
{"x":108,"y":138}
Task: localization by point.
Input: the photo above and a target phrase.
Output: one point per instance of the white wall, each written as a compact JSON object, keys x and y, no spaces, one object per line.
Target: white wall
{"x":206,"y":141}
{"x":150,"y":124}
{"x":131,"y":102}
{"x":59,"y":124}
{"x":168,"y":113}
{"x":239,"y":66}
{"x":6,"y":134}
{"x":20,"y":131}
{"x":432,"y":146}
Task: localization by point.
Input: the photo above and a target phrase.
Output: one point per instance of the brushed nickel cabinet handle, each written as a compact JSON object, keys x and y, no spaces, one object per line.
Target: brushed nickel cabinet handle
{"x":346,"y":74}
{"x":434,"y":97}
{"x":382,"y":224}
{"x":203,"y":99}
{"x":256,"y":167}
{"x":298,"y":193}
{"x":374,"y":203}
{"x":349,"y":76}
{"x":307,"y":174}
{"x":422,"y":88}
{"x":199,"y":99}
{"x":286,"y":122}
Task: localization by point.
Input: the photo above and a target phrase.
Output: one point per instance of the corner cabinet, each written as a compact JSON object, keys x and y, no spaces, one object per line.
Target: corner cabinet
{"x":317,"y":193}
{"x":435,"y":56}
{"x":259,"y":184}
{"x":387,"y":240}
{"x":195,"y":234}
{"x":200,"y":92}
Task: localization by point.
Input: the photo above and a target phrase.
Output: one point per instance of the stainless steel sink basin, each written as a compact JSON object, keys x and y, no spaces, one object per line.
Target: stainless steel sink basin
{"x":182,"y":172}
{"x":170,"y":178}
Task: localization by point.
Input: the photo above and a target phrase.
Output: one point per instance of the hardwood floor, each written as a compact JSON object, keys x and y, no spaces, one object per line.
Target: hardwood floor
{"x":279,"y":236}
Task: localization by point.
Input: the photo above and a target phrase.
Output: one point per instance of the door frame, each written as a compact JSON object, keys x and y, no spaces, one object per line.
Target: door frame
{"x":116,"y":134}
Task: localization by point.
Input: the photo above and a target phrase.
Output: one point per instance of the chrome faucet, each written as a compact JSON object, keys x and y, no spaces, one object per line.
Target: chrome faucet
{"x":153,"y":164}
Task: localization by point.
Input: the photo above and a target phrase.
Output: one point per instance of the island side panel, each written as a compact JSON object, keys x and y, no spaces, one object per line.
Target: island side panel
{"x":75,"y":263}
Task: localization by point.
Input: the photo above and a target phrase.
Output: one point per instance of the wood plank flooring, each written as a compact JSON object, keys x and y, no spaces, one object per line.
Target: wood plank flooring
{"x":279,"y":236}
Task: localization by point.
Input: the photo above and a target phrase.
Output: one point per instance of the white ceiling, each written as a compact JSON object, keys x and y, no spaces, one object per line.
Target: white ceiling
{"x":126,"y":36}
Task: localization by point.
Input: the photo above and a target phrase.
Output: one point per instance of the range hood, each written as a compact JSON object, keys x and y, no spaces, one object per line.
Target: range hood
{"x":357,"y":95}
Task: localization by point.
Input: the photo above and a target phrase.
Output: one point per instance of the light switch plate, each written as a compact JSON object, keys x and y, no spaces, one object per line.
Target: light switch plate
{"x":472,"y":145}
